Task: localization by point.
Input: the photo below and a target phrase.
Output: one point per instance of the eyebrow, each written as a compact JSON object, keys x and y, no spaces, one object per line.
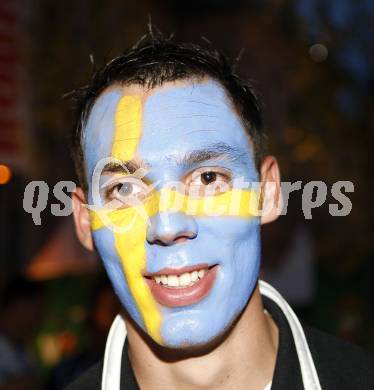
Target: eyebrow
{"x":127,"y":167}
{"x":216,"y":151}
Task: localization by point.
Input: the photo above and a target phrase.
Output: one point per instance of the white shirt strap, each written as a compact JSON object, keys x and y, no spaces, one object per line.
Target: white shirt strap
{"x":308,"y":369}
{"x":111,"y":379}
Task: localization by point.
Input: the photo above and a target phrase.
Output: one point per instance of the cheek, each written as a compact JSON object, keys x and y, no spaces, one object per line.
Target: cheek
{"x":237,"y":246}
{"x":242,"y":240}
{"x":105,"y":244}
{"x":245,"y":264}
{"x":229,"y":232}
{"x":124,"y":250}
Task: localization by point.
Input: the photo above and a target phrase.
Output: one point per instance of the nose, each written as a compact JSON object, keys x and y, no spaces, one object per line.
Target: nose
{"x":167,"y":229}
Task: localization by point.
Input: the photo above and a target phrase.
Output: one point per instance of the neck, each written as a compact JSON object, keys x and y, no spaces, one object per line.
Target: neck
{"x":244,"y":359}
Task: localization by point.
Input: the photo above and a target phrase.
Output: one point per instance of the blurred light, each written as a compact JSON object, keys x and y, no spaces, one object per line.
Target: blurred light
{"x":5,"y":174}
{"x":49,"y":348}
{"x":318,"y":52}
{"x":67,"y":341}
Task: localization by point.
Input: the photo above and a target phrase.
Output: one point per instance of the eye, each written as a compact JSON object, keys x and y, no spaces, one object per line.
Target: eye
{"x":127,"y":191}
{"x":208,"y":177}
{"x":124,"y":189}
{"x":208,"y":181}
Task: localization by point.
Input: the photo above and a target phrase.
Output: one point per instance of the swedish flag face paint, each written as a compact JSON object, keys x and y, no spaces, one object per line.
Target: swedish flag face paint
{"x":181,"y":246}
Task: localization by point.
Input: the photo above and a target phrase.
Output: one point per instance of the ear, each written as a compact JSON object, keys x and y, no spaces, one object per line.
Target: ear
{"x":271,"y":194}
{"x":82,"y":219}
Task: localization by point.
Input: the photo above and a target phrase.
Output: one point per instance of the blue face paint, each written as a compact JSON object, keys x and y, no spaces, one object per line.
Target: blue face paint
{"x":178,"y":122}
{"x":183,"y":120}
{"x":105,"y":244}
{"x":99,"y":132}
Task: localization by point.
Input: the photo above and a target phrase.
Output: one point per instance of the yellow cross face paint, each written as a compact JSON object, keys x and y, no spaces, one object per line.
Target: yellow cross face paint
{"x":216,"y":234}
{"x":130,"y":244}
{"x":127,"y":128}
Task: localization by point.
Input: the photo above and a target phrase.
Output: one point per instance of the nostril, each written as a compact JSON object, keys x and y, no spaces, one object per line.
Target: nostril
{"x":181,"y":239}
{"x":172,"y":240}
{"x":157,"y":242}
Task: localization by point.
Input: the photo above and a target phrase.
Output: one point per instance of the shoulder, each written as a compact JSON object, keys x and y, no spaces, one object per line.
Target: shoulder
{"x":340,"y":365}
{"x":89,"y":380}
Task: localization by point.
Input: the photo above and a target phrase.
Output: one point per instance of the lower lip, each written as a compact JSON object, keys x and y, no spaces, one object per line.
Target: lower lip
{"x":183,"y":296}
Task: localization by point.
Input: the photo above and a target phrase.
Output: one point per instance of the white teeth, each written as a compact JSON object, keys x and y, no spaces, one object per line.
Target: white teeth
{"x":173,"y":281}
{"x":184,"y":280}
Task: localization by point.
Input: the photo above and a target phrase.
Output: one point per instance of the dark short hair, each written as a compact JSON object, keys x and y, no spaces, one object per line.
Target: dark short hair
{"x":155,"y":60}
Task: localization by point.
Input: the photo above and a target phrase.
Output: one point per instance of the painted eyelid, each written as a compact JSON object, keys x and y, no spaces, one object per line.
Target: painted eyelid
{"x":122,"y":179}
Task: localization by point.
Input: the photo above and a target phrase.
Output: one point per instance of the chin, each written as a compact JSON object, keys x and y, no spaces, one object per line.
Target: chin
{"x":191,"y":333}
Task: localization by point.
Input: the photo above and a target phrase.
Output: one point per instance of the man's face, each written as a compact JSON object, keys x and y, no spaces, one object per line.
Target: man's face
{"x":183,"y":272}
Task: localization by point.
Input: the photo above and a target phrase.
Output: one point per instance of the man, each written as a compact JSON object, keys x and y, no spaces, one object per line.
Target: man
{"x":170,"y":151}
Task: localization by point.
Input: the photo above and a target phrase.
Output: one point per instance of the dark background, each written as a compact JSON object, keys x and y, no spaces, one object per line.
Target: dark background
{"x":312,"y":63}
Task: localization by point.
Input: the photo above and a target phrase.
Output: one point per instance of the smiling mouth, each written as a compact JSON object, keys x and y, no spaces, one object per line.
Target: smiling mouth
{"x":183,"y":286}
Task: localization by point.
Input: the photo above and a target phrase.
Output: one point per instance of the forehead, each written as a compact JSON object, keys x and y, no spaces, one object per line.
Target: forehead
{"x":174,"y":119}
